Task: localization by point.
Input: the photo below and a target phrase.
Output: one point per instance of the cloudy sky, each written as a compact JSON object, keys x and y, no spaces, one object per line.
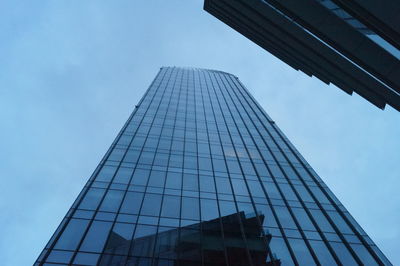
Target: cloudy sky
{"x":72,"y":71}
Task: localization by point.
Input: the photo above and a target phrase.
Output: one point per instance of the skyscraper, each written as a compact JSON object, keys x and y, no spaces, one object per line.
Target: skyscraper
{"x":353,"y":44}
{"x":201,"y":175}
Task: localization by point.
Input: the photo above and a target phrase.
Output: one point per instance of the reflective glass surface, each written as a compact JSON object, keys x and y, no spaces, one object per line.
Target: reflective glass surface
{"x":200,"y":175}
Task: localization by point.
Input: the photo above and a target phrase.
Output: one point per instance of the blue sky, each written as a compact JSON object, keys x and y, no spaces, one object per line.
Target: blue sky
{"x":72,"y":71}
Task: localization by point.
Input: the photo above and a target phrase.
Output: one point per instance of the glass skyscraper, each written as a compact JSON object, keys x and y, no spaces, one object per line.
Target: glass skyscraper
{"x":201,"y":175}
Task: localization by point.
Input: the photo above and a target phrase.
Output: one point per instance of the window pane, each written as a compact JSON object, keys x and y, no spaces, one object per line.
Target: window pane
{"x":239,"y":187}
{"x":269,"y":219}
{"x":190,"y":182}
{"x":223,"y":185}
{"x":227,"y":207}
{"x":60,"y":256}
{"x":255,"y":188}
{"x":284,"y":217}
{"x":120,"y":239}
{"x":209,"y":209}
{"x":72,"y":234}
{"x":207,"y":183}
{"x":171,"y":206}
{"x":301,"y":252}
{"x":303,"y":219}
{"x":106,"y":173}
{"x":157,"y":179}
{"x":190,"y":208}
{"x":272,"y":191}
{"x":151,"y":205}
{"x":140,"y":177}
{"x":339,"y":222}
{"x":86,"y":259}
{"x":132,"y":202}
{"x":363,"y":254}
{"x":123,"y":175}
{"x":92,"y":199}
{"x":287,"y":191}
{"x":112,"y":200}
{"x":343,"y":253}
{"x":96,"y":236}
{"x":174,"y":180}
{"x":321,"y":220}
{"x":278,"y":246}
{"x":322,"y":252}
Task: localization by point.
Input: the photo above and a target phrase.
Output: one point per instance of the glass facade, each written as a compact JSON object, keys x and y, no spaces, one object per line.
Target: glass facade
{"x":200,"y":175}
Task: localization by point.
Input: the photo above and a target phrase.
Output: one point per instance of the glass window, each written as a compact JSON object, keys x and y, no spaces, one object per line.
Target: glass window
{"x":96,"y":237}
{"x":223,"y":185}
{"x":284,"y":217}
{"x":131,"y":156}
{"x":209,"y":209}
{"x":112,"y":201}
{"x":205,"y":163}
{"x":343,"y":253}
{"x":106,"y":173}
{"x":116,"y":155}
{"x":190,"y":208}
{"x":239,"y":187}
{"x":255,"y":188}
{"x":132,"y":202}
{"x":151,"y":205}
{"x":60,"y":256}
{"x":219,"y":165}
{"x":72,"y":234}
{"x":363,"y":254}
{"x":227,"y":207}
{"x":157,"y":179}
{"x":247,"y":208}
{"x":233,"y":167}
{"x":86,"y":259}
{"x":301,"y":251}
{"x":207,"y":183}
{"x":120,"y":239}
{"x":247,"y":168}
{"x":190,"y":182}
{"x":146,"y":157}
{"x":175,"y":160}
{"x":272,"y":191}
{"x":145,"y":230}
{"x":190,"y":162}
{"x":339,"y":222}
{"x":123,"y":175}
{"x":322,"y":252}
{"x":268,"y":217}
{"x":203,"y":147}
{"x":304,"y":195}
{"x":279,"y":248}
{"x":174,"y":180}
{"x":287,"y":191}
{"x":140,"y":177}
{"x":92,"y":199}
{"x":303,"y":219}
{"x":319,"y":195}
{"x":171,"y":206}
{"x":321,"y":220}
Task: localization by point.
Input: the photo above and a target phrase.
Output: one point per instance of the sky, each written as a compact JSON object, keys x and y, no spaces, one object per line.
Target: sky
{"x":72,"y":71}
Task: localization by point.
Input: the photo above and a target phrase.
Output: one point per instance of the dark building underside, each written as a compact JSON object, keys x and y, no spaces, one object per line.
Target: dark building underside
{"x":309,"y":37}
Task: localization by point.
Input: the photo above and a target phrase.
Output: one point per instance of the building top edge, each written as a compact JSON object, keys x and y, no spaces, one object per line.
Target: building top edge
{"x":200,"y":69}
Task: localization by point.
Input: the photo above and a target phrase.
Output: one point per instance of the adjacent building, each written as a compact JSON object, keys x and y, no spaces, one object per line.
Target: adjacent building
{"x":201,"y":175}
{"x":353,"y":44}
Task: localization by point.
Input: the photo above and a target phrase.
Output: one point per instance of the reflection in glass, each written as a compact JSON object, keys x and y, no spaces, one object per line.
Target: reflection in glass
{"x":242,"y":239}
